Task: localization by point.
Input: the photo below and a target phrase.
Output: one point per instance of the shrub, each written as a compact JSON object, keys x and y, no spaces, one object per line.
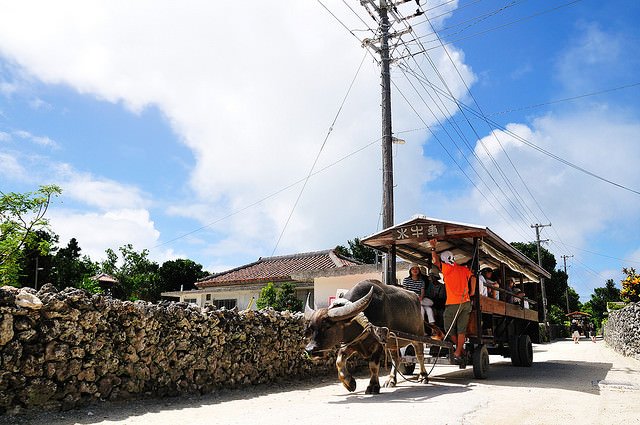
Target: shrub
{"x":630,"y":286}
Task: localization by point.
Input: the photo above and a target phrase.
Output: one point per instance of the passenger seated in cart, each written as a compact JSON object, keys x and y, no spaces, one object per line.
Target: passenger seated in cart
{"x":460,"y":284}
{"x":511,"y":289}
{"x":417,"y":282}
{"x":487,"y":286}
{"x":520,"y":299}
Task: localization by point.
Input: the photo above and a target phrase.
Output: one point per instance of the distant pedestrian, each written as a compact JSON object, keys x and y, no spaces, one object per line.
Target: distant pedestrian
{"x":592,"y":332}
{"x":575,"y":331}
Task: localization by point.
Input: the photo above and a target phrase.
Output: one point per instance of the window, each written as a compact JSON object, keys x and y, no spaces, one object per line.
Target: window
{"x":208,"y":297}
{"x":228,"y":304}
{"x":191,"y":300}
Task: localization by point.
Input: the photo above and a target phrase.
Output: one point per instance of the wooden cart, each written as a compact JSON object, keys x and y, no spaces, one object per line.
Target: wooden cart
{"x":495,"y":325}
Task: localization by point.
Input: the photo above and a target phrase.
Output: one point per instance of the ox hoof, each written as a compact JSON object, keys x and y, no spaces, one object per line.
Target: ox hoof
{"x":351,"y":385}
{"x":373,"y":389}
{"x":390,"y":383}
{"x":423,"y":378}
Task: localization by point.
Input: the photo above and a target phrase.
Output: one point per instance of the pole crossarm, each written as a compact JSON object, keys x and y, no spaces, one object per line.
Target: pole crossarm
{"x":384,"y":10}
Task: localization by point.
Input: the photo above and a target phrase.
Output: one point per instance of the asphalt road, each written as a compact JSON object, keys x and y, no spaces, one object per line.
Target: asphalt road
{"x":568,"y":384}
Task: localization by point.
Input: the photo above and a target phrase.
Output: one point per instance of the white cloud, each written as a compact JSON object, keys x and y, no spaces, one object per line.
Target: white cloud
{"x":252,"y":87}
{"x":98,"y":192}
{"x":593,"y":57}
{"x":38,"y":140}
{"x":7,"y":88}
{"x":252,"y":99}
{"x":97,"y":231}
{"x":98,"y":212}
{"x":11,"y":168}
{"x":38,"y":103}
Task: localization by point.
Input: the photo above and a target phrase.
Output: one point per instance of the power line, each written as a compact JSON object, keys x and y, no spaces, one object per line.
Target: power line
{"x":456,"y":162}
{"x":338,"y":19}
{"x":628,"y":260}
{"x":452,"y":97}
{"x":536,"y":147}
{"x":539,"y":105}
{"x":503,"y":25}
{"x":315,"y":161}
{"x":480,"y":140}
{"x":271,"y":195}
{"x":475,"y":20}
{"x":566,"y":99}
{"x":507,"y":198}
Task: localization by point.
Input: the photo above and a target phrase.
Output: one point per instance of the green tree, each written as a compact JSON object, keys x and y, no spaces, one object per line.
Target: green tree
{"x":574,"y":300}
{"x":268,"y":296}
{"x":110,"y":265}
{"x":21,"y":214}
{"x":342,"y":250}
{"x":70,"y":268}
{"x":597,"y":306}
{"x":556,"y":288}
{"x":137,"y":277}
{"x":286,"y":298}
{"x":180,"y":273}
{"x":530,"y":249}
{"x":556,"y":315}
{"x":36,"y":259}
{"x":280,"y":299}
{"x":358,"y":251}
{"x":175,"y":275}
{"x":90,"y":285}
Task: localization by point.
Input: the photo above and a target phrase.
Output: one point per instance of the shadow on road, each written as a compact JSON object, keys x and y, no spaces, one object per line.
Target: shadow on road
{"x":404,"y":392}
{"x":561,"y":374}
{"x":125,"y":409}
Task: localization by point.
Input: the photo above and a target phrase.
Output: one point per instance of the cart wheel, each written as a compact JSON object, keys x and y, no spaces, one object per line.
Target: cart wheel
{"x":406,"y":368}
{"x":481,"y":362}
{"x":515,"y":351}
{"x":525,"y":351}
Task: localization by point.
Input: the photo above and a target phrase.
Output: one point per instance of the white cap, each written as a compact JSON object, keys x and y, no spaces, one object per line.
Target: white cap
{"x":447,"y":257}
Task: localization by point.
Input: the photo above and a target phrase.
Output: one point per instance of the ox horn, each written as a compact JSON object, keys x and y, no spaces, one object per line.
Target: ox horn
{"x":308,"y":311}
{"x":350,"y":309}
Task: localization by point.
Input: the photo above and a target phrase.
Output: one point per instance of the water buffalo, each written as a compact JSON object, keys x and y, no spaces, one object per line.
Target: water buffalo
{"x":340,"y":325}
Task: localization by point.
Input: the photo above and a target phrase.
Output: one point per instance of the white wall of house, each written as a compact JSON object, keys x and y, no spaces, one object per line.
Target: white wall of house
{"x":326,"y":287}
{"x":243,"y":295}
{"x":328,"y":283}
{"x":199,"y":297}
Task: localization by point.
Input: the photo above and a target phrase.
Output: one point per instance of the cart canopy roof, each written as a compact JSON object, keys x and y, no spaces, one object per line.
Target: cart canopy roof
{"x":411,"y":240}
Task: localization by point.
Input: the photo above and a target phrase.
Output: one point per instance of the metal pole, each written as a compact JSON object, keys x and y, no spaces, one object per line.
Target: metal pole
{"x":544,"y":292}
{"x":37,"y":268}
{"x":566,"y":293}
{"x":387,"y":150}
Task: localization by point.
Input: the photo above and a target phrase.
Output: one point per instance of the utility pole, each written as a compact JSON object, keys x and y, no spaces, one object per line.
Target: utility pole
{"x":380,"y":45}
{"x":387,"y":148}
{"x":35,"y":285}
{"x":566,"y":294}
{"x":544,"y":292}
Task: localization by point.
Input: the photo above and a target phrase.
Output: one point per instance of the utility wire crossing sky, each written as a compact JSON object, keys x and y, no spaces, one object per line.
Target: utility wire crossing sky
{"x":223,"y":132}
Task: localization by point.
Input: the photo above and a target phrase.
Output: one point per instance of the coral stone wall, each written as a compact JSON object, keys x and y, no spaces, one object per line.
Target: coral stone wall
{"x":59,"y":350}
{"x":622,"y":331}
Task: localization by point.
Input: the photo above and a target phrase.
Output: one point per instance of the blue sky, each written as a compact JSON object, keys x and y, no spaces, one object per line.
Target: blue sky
{"x":189,"y":128}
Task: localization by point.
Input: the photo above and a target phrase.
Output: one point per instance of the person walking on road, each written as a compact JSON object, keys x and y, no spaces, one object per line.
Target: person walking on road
{"x":575,"y":332}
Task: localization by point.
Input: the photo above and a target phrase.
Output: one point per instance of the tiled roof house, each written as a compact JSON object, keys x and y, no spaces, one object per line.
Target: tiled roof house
{"x":237,"y":287}
{"x":106,"y":282}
